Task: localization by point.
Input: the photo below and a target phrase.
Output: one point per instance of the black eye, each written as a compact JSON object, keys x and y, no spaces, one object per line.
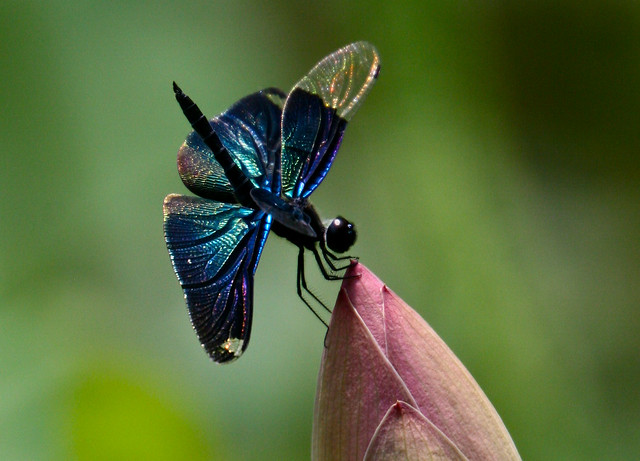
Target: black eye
{"x":341,"y":234}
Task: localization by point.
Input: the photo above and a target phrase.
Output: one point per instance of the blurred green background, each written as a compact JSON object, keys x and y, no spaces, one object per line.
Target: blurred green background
{"x":493,"y":174}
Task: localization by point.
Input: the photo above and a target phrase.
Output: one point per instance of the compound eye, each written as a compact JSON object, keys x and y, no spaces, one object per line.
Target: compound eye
{"x":340,"y":235}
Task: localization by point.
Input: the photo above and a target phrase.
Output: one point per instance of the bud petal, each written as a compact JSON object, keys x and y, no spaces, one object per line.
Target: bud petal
{"x":405,"y":433}
{"x":386,"y":373}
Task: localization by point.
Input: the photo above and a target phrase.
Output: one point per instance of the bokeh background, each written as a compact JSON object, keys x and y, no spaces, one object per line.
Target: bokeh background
{"x":493,"y":174}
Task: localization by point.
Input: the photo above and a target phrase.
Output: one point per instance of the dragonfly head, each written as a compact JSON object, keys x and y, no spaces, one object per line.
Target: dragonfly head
{"x":340,"y":235}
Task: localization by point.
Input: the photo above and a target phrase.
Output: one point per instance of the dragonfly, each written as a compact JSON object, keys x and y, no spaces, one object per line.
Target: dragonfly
{"x":253,"y":168}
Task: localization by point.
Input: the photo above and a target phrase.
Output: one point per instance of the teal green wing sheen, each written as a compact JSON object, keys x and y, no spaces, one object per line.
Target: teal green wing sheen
{"x":215,"y":248}
{"x":250,"y":131}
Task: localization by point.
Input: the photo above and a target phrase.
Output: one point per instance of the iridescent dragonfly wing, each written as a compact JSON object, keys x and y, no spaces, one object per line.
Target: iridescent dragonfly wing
{"x":215,"y":243}
{"x":215,"y":248}
{"x":250,"y":131}
{"x":316,"y":113}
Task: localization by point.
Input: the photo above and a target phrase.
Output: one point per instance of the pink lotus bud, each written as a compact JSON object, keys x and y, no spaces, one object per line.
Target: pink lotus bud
{"x":390,"y":388}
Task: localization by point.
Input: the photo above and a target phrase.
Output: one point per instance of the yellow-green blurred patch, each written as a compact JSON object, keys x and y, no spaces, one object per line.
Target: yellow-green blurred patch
{"x":114,"y":417}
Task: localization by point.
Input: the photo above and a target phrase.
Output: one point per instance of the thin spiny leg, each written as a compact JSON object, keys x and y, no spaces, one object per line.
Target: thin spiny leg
{"x":323,"y":270}
{"x":338,"y":258}
{"x":330,"y":258}
{"x":301,"y":283}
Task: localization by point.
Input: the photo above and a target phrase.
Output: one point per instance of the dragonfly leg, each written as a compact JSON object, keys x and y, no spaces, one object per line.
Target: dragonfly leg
{"x":301,"y":284}
{"x":330,"y":258}
{"x":323,"y":269}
